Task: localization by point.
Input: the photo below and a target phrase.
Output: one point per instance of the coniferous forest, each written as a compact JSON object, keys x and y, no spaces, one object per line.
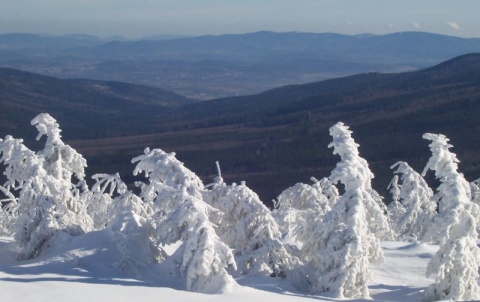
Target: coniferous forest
{"x":322,"y":238}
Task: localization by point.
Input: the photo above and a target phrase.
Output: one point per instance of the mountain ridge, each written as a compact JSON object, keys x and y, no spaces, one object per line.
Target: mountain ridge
{"x":209,"y":67}
{"x":24,"y":95}
{"x":272,"y":128}
{"x":280,"y":137}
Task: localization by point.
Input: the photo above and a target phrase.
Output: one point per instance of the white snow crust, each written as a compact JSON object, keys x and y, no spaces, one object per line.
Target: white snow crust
{"x":83,"y":268}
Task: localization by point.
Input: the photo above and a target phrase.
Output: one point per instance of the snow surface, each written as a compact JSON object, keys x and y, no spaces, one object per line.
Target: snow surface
{"x":83,"y":269}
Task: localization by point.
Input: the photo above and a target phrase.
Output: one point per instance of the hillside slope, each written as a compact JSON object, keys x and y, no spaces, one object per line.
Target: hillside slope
{"x":280,"y":137}
{"x":272,"y":140}
{"x":84,"y":108}
{"x":208,"y":67}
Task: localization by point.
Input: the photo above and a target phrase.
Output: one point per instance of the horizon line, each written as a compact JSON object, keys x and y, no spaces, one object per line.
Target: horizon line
{"x":177,"y":36}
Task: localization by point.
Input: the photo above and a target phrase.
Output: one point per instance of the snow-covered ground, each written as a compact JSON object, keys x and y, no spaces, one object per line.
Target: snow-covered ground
{"x":83,"y":269}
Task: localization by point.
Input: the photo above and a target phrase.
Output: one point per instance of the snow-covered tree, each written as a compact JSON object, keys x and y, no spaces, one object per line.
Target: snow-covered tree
{"x":100,"y":199}
{"x":395,"y":208}
{"x":475,"y":191}
{"x":455,"y":265}
{"x":182,"y":215}
{"x":66,"y":166}
{"x":48,"y":201}
{"x":128,"y":218}
{"x":59,"y":160}
{"x":327,"y":188}
{"x":417,"y":204}
{"x":346,"y":243}
{"x":8,"y":212}
{"x":297,"y":206}
{"x":165,"y":176}
{"x":248,"y":227}
{"x":299,"y":211}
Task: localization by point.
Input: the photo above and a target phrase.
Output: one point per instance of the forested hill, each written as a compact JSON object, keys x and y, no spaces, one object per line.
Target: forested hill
{"x":277,"y":138}
{"x":207,"y":67}
{"x":84,"y":108}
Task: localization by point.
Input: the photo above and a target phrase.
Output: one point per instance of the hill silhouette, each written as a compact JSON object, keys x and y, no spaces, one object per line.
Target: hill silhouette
{"x":207,"y":67}
{"x":279,"y":137}
{"x":84,"y":108}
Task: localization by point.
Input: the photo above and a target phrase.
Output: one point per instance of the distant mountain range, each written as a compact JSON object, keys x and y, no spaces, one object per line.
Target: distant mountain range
{"x":208,"y":67}
{"x":273,"y":139}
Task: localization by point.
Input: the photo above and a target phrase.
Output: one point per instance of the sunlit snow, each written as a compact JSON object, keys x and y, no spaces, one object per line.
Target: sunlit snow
{"x":83,"y":268}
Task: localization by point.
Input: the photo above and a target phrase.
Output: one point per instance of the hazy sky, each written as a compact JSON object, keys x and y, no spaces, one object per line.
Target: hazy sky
{"x":137,"y":18}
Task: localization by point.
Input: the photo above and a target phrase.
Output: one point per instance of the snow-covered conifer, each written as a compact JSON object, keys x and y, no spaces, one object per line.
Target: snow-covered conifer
{"x":59,"y":160}
{"x":163,"y":169}
{"x":455,"y":265}
{"x":182,"y":215}
{"x":346,"y":241}
{"x":299,"y":211}
{"x":304,"y":197}
{"x":419,"y":207}
{"x":327,"y":188}
{"x":8,"y":212}
{"x":248,"y":227}
{"x":475,"y":191}
{"x":165,"y":175}
{"x":298,"y":206}
{"x":48,"y":202}
{"x":395,"y":208}
{"x":66,"y":165}
{"x":129,"y":219}
{"x":99,"y":200}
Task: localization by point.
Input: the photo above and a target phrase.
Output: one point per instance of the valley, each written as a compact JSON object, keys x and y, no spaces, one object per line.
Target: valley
{"x":274,"y":139}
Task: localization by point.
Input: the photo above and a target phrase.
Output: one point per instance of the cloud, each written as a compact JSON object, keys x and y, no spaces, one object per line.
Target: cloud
{"x":453,"y":25}
{"x":416,"y":25}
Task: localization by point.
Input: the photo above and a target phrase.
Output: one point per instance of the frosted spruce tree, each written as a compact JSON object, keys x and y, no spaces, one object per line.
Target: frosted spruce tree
{"x":48,"y":199}
{"x":416,"y":199}
{"x":59,"y":160}
{"x":8,"y":212}
{"x":128,"y":219}
{"x":346,"y":243}
{"x":249,"y":229}
{"x":296,"y":207}
{"x":395,"y":208}
{"x":66,"y":166}
{"x":182,"y":215}
{"x":455,"y":265}
{"x":100,"y":199}
{"x":475,"y":191}
{"x":299,"y":211}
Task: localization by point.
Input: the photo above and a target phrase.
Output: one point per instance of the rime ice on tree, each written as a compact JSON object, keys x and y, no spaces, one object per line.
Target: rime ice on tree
{"x":48,"y":201}
{"x":248,"y":227}
{"x":395,"y":208}
{"x":128,"y":218}
{"x":416,"y":201}
{"x":298,"y":206}
{"x":346,"y":241}
{"x":455,"y":265}
{"x":299,"y":211}
{"x":181,"y":214}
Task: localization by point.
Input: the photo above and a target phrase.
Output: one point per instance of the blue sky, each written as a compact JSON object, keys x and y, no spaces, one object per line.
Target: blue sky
{"x":137,"y":18}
